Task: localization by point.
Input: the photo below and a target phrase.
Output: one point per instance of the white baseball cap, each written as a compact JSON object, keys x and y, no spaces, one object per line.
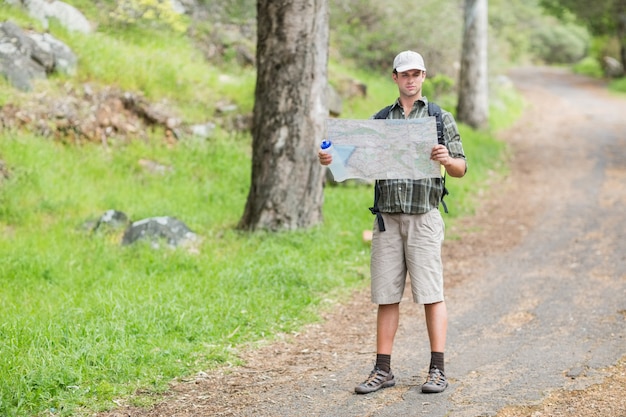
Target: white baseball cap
{"x":408,"y":60}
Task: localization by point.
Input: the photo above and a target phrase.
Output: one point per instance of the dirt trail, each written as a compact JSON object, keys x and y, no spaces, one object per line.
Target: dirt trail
{"x":536,"y":292}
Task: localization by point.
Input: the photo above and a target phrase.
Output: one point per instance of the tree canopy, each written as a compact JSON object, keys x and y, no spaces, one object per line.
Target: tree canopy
{"x":604,"y":17}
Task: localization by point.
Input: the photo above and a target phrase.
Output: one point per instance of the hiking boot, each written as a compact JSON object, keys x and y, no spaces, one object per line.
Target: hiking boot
{"x":436,"y":382}
{"x":378,"y":379}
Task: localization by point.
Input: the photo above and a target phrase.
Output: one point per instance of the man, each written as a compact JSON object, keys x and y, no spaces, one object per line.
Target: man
{"x":410,"y":241}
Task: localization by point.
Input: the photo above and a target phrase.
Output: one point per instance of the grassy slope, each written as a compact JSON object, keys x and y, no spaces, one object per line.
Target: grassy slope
{"x":86,"y":321}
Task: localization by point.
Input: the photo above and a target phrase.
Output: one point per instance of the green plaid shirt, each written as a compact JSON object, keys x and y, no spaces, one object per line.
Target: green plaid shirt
{"x":418,"y":196}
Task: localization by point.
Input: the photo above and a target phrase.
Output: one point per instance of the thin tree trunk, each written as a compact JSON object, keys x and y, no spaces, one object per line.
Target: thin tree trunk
{"x":289,"y":115}
{"x":473,"y":105}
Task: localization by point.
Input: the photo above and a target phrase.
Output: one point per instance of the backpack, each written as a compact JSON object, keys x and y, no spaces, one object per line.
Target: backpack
{"x":433,"y":110}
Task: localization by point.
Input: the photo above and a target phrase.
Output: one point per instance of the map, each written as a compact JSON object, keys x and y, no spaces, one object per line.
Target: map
{"x":383,"y":149}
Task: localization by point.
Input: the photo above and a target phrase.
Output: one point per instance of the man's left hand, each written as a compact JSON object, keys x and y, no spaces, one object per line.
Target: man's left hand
{"x":440,"y":154}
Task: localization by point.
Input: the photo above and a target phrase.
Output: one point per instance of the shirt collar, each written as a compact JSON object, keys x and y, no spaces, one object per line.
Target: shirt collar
{"x":422,"y":100}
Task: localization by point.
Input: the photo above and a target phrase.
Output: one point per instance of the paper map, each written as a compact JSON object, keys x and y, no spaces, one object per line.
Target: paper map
{"x":383,"y":149}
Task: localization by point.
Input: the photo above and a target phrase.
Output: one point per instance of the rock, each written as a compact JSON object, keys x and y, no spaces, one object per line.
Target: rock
{"x":203,"y":131}
{"x":333,"y":101}
{"x":85,"y":114}
{"x":68,"y":16}
{"x":612,"y":67}
{"x":112,"y":220}
{"x":21,"y":61}
{"x":27,"y":56}
{"x":154,"y":167}
{"x":64,"y":60}
{"x":158,"y":229}
{"x":348,"y":88}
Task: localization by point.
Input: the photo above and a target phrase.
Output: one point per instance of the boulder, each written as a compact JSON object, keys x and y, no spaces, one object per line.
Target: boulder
{"x":27,"y":56}
{"x":333,"y":101}
{"x":111,"y":220}
{"x":21,"y":61}
{"x":63,"y":59}
{"x":158,"y":229}
{"x":612,"y":67}
{"x":68,"y":16}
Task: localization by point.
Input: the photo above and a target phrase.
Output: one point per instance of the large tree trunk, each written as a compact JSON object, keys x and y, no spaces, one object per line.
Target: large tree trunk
{"x":289,"y":115}
{"x":473,"y":105}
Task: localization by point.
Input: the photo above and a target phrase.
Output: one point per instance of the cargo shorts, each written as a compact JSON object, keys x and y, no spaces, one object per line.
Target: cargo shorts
{"x":411,"y":243}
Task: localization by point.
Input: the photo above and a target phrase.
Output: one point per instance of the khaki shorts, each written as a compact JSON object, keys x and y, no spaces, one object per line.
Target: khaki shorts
{"x":411,"y":243}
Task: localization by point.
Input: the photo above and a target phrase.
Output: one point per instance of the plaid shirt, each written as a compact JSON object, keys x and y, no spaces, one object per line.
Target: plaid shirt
{"x":418,"y":196}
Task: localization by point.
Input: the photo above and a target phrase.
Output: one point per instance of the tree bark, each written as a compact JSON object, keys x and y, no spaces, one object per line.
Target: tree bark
{"x":286,"y":191}
{"x":473,"y":105}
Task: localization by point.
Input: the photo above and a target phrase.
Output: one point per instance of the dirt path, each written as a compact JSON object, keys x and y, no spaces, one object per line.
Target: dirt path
{"x":536,"y":292}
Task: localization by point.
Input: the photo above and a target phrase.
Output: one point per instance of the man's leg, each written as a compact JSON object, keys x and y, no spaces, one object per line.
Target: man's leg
{"x":437,"y":325}
{"x":386,"y":327}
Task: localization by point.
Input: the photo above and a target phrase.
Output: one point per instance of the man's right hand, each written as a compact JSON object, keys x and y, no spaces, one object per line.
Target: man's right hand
{"x":325,"y":158}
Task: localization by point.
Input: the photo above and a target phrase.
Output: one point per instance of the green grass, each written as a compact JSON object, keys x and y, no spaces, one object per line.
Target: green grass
{"x":618,"y":85}
{"x":86,"y":321}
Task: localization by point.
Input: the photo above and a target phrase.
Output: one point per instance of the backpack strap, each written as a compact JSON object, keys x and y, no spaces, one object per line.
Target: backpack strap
{"x":435,"y":110}
{"x":383,"y":113}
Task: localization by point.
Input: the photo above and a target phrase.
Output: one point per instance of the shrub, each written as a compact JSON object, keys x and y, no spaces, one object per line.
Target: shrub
{"x":589,"y":66}
{"x":560,"y":44}
{"x":150,"y":12}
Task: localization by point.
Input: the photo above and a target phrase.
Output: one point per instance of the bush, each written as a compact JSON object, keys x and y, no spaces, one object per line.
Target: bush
{"x":619,"y":85}
{"x":589,"y":66}
{"x":154,"y":12}
{"x":560,"y":44}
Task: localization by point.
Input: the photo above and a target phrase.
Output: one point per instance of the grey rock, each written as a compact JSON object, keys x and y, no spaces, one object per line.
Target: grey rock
{"x":63,"y":59}
{"x":158,"y":229}
{"x":612,"y":67}
{"x":26,"y":56}
{"x":334,"y":101}
{"x":112,"y":220}
{"x":203,"y":131}
{"x":68,"y":16}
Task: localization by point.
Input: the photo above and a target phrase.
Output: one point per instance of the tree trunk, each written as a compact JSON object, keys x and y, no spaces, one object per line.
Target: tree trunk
{"x":473,"y":105}
{"x":290,"y":111}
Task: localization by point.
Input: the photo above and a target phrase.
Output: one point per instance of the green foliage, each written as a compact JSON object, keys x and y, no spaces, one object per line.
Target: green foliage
{"x":136,"y":59}
{"x":17,"y":14}
{"x":150,"y":12}
{"x":86,"y":321}
{"x":510,"y":23}
{"x":366,"y":31}
{"x":230,"y":10}
{"x":601,"y":18}
{"x":619,"y":85}
{"x":559,"y":43}
{"x":589,"y":66}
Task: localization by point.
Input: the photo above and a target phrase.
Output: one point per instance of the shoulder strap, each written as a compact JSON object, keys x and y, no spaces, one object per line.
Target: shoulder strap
{"x":435,"y":110}
{"x":383,"y":113}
